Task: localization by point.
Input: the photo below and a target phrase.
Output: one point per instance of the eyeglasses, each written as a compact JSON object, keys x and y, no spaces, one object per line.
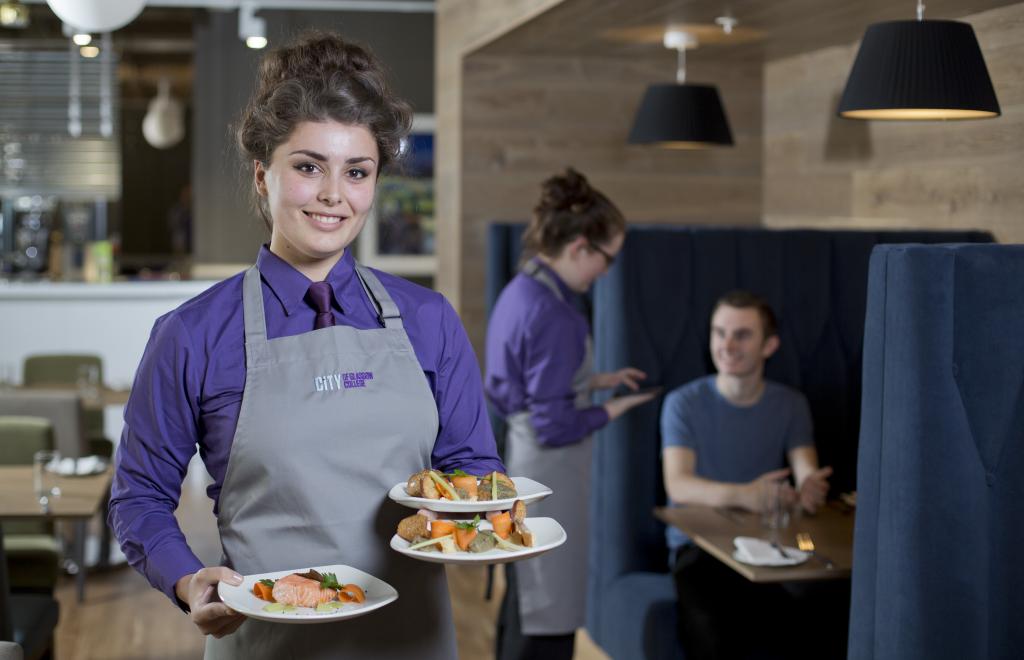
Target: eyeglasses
{"x":608,"y":258}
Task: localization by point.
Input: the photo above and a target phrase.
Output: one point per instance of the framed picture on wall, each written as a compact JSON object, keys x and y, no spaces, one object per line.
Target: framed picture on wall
{"x":399,"y":233}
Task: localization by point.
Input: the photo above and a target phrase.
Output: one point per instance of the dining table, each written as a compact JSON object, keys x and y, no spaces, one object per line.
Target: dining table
{"x":99,"y":399}
{"x":713,"y":529}
{"x":81,"y":497}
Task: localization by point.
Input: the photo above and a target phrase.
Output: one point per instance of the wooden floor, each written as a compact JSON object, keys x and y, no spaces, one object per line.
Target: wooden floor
{"x":122,"y":618}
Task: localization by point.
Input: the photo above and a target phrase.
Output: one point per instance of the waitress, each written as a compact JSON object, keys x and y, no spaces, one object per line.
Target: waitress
{"x":539,"y":377}
{"x":310,"y":384}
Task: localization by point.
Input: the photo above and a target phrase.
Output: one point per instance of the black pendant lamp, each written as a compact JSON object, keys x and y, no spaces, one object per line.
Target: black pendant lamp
{"x":681,"y":115}
{"x":919,"y":70}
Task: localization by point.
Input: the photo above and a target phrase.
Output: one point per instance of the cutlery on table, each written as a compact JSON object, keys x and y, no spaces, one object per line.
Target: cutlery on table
{"x":806,"y":543}
{"x":778,"y":548}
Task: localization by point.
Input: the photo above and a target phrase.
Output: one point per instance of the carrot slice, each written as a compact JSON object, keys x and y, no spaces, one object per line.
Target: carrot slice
{"x":440,"y":528}
{"x":263,"y":592}
{"x":502,"y":524}
{"x":466,"y":483}
{"x":464,"y":536}
{"x":351,"y":593}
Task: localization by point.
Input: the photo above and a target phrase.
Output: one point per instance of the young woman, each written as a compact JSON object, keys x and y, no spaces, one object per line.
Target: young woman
{"x":540,"y":376}
{"x":310,"y":384}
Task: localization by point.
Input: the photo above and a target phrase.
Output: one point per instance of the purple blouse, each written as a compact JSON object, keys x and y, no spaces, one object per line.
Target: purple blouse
{"x":535,"y":344}
{"x":188,"y":392}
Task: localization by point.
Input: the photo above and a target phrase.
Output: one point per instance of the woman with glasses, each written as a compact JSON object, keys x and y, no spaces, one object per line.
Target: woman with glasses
{"x":540,"y":377}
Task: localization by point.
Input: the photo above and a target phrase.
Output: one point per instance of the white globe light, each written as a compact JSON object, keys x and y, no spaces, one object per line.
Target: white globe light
{"x":164,"y":123}
{"x":97,"y":15}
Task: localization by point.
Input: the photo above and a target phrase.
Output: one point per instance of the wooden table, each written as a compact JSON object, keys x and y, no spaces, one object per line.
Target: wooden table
{"x":80,"y":499}
{"x":107,"y":396}
{"x":713,"y":530}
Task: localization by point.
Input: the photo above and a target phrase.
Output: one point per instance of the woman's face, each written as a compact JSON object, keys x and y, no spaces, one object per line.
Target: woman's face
{"x":588,"y":262}
{"x":319,"y":187}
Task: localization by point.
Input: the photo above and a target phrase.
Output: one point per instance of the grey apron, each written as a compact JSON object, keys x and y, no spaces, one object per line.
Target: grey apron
{"x":330,"y":420}
{"x":553,"y":587}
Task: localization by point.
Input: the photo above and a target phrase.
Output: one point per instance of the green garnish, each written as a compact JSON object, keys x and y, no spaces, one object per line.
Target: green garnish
{"x":278,"y":607}
{"x":329,"y":606}
{"x":267,"y":583}
{"x":459,"y":473}
{"x":494,"y":485}
{"x":330,"y":581}
{"x":472,"y":524}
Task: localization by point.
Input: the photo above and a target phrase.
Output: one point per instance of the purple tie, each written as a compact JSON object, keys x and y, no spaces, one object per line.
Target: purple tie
{"x":320,"y":296}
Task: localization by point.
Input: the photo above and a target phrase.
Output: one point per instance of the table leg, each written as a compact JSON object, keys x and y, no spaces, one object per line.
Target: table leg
{"x":80,"y":534}
{"x":5,"y":603}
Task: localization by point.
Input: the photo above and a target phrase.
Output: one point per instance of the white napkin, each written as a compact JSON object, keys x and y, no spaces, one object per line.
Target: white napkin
{"x":86,"y":465}
{"x":758,"y":552}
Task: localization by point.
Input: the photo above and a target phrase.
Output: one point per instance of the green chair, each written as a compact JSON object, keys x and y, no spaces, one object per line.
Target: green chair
{"x":64,"y":369}
{"x":28,"y":623}
{"x":33,"y":553}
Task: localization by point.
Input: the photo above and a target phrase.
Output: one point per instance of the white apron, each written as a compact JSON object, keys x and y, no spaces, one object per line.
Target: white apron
{"x":308,"y":476}
{"x":553,"y":587}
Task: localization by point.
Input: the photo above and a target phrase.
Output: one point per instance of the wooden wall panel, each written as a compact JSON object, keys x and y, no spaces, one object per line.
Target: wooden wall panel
{"x":461,"y":26}
{"x":822,"y":171}
{"x":525,"y":118}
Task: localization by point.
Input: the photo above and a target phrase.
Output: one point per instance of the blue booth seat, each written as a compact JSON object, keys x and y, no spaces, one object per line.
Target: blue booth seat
{"x":937,"y":571}
{"x":652,"y":311}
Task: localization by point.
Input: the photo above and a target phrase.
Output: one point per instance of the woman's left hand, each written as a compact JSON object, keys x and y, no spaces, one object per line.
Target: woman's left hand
{"x":628,"y":376}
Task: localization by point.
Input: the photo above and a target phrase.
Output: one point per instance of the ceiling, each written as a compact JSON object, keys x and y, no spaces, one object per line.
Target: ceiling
{"x":789,"y":27}
{"x":157,"y":44}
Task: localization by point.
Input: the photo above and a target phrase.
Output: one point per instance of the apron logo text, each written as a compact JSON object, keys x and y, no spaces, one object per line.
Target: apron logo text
{"x":346,"y":381}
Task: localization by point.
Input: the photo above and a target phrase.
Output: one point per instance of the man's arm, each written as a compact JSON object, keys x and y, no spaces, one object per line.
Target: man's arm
{"x":679,"y":471}
{"x":811,"y":481}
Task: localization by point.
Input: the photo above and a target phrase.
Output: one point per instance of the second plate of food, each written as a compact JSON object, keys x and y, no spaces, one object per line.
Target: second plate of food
{"x":547,"y":535}
{"x":526,"y":490}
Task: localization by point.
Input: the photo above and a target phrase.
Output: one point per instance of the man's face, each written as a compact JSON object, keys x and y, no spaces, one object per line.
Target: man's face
{"x":738,"y":345}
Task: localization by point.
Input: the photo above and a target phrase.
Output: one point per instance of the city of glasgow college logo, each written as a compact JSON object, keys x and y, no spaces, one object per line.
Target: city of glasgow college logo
{"x":345,"y":381}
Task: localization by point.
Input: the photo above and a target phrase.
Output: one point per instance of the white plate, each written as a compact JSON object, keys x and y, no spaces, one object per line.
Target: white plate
{"x":242,"y":600}
{"x":547,"y":535}
{"x":528,"y":491}
{"x":758,"y":552}
{"x":78,"y":467}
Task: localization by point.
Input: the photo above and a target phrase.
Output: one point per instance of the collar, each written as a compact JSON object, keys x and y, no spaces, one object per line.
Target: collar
{"x":567,"y":294}
{"x":289,"y":286}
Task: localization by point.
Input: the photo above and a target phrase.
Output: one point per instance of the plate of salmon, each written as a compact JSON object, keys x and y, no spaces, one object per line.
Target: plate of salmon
{"x":504,"y":537}
{"x":308,"y":595}
{"x":459,"y":492}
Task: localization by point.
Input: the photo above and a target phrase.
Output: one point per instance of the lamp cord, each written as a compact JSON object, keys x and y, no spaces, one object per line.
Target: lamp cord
{"x":920,"y":10}
{"x":681,"y":66}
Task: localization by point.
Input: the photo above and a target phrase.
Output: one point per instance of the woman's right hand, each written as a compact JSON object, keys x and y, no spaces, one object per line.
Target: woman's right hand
{"x":620,"y":405}
{"x":199,"y":592}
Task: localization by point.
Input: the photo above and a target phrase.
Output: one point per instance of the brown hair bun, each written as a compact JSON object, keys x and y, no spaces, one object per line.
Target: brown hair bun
{"x":570,"y":207}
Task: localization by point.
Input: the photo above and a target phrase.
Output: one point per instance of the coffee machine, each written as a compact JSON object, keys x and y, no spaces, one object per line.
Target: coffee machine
{"x":27,"y":222}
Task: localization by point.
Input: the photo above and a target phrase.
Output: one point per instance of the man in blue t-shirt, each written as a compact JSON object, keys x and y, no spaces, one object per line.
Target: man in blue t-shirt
{"x":725,"y":438}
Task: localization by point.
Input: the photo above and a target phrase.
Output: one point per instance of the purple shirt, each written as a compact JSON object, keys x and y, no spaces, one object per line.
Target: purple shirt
{"x":188,"y":391}
{"x":535,"y":344}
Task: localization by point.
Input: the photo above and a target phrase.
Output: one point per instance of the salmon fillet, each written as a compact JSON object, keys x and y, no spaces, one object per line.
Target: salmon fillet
{"x":301,"y":592}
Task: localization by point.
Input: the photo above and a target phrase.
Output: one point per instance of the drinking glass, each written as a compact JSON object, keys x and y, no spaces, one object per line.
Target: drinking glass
{"x":89,"y":382}
{"x":6,"y":375}
{"x":776,"y":506}
{"x":44,"y":479}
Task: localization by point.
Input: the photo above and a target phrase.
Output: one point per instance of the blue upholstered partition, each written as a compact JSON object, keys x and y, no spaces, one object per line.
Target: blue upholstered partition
{"x":940,"y":505}
{"x":652,"y":311}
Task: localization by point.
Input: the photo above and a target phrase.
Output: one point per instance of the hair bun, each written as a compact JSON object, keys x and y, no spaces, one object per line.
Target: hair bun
{"x":318,"y":55}
{"x":567,"y":192}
